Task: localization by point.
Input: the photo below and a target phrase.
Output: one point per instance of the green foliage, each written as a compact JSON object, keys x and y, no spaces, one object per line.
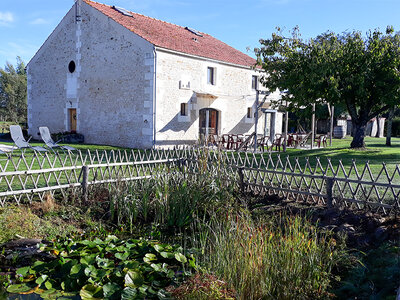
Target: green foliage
{"x":107,"y":268}
{"x":346,"y":69}
{"x":281,"y":258}
{"x":13,"y":92}
{"x":377,"y":277}
{"x":396,"y":127}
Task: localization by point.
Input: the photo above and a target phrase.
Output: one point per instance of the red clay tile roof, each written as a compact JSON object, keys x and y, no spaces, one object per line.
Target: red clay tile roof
{"x":174,"y":37}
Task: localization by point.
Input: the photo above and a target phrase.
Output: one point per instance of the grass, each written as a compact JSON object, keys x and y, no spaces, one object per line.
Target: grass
{"x":280,"y":258}
{"x":375,"y":154}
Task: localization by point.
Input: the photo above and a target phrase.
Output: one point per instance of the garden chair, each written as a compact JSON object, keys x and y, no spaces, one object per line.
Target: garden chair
{"x":46,"y":137}
{"x":302,"y":140}
{"x":19,"y":140}
{"x":321,"y":140}
{"x":278,"y":142}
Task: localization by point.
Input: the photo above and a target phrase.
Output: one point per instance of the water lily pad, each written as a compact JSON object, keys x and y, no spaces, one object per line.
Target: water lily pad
{"x":110,"y":290}
{"x":20,"y":288}
{"x":129,"y":293}
{"x":149,"y":257}
{"x":133,"y":279}
{"x":122,"y":256}
{"x":91,"y":292}
{"x":23,"y":271}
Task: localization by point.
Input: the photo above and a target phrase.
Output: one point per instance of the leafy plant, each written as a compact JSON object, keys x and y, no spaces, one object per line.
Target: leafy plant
{"x":109,"y":268}
{"x":377,"y":276}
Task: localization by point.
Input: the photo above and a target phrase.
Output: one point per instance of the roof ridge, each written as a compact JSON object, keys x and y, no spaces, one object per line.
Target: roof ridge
{"x":175,"y":37}
{"x":136,"y":13}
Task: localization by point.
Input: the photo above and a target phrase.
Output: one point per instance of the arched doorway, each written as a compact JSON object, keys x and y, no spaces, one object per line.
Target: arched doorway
{"x":208,"y":121}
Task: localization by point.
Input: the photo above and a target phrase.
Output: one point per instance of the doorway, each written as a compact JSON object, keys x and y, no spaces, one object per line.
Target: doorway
{"x":208,"y":121}
{"x":270,"y":121}
{"x":72,"y":119}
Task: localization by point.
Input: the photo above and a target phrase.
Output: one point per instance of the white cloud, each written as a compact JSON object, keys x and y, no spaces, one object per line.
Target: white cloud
{"x":39,"y":21}
{"x":6,"y":18}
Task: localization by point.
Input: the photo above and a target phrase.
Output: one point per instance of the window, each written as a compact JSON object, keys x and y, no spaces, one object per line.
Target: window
{"x":254,"y":82}
{"x":71,"y":66}
{"x":184,"y":111}
{"x":211,"y":75}
{"x":249,"y":113}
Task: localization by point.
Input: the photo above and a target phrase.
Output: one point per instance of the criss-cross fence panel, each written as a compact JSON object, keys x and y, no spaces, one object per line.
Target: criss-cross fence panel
{"x":350,"y":186}
{"x":31,"y":175}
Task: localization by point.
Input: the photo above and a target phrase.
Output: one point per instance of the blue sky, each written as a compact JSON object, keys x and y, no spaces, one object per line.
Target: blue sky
{"x":25,"y":24}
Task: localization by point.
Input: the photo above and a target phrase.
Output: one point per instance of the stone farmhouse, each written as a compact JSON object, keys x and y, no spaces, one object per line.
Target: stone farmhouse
{"x":124,"y":79}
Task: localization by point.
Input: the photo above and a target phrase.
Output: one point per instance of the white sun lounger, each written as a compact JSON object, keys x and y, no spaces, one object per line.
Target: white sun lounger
{"x":46,"y":137}
{"x":19,"y":140}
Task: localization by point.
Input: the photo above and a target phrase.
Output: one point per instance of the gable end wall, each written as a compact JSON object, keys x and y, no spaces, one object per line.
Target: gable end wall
{"x":111,"y":89}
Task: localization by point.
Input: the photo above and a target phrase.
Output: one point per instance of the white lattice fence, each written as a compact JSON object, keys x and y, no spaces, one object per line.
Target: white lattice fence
{"x":24,"y":177}
{"x":302,"y":180}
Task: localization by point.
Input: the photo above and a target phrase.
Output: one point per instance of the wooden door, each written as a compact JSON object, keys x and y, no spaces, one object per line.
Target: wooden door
{"x":72,"y":119}
{"x":213,"y":122}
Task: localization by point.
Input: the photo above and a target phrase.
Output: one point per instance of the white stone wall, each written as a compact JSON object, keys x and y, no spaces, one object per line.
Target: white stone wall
{"x":112,"y":87}
{"x":233,"y":91}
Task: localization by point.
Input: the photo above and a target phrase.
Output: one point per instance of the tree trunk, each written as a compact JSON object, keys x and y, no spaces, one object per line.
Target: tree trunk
{"x":359,"y":135}
{"x":389,"y":127}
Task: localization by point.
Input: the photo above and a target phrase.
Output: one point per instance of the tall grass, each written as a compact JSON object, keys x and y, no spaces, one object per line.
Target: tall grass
{"x":281,"y":257}
{"x":173,"y":201}
{"x":285,"y":258}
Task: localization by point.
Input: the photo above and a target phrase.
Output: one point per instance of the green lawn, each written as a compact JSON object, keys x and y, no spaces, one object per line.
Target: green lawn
{"x":375,"y":154}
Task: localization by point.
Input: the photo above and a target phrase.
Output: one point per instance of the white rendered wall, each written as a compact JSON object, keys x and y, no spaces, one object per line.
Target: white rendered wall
{"x":232,"y":89}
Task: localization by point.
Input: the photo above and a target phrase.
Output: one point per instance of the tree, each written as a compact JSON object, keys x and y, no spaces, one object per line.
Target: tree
{"x":363,"y":74}
{"x":391,"y":114}
{"x":13,"y":103}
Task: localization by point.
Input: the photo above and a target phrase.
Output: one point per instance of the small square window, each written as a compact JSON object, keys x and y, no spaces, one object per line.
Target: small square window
{"x":211,"y":75}
{"x":184,"y":110}
{"x":254,"y":82}
{"x":249,"y":113}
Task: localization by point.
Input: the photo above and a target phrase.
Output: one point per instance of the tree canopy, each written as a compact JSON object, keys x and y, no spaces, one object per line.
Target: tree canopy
{"x":360,"y":73}
{"x":13,"y":102}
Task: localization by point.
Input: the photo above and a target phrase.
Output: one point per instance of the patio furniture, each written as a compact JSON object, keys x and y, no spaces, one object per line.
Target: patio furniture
{"x":234,"y":141}
{"x":19,"y":140}
{"x":302,"y":139}
{"x":292,"y":140}
{"x":246,"y":142}
{"x":46,"y":137}
{"x":322,"y":139}
{"x":278,"y":142}
{"x":263,"y":143}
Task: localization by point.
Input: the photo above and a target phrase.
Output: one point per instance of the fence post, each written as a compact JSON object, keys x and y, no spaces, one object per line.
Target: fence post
{"x":85,"y":175}
{"x":241,"y":179}
{"x":329,"y":191}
